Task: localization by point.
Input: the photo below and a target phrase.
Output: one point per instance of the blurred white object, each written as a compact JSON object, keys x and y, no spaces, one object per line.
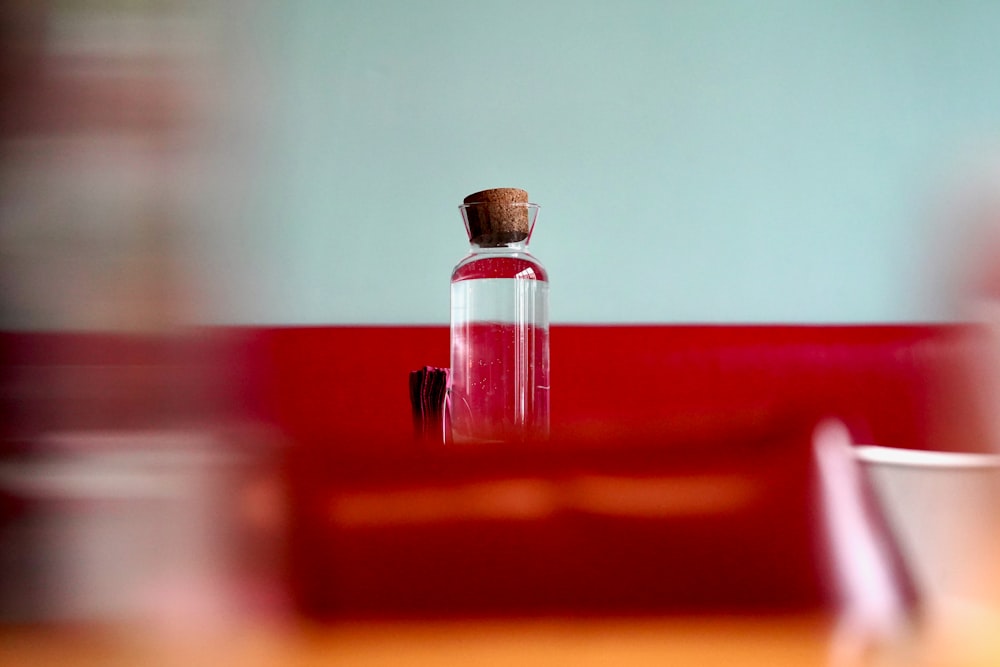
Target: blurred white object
{"x":943,"y":507}
{"x":875,"y":614}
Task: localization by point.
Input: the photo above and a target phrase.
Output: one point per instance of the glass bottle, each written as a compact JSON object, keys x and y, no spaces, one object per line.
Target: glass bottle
{"x":499,"y":385}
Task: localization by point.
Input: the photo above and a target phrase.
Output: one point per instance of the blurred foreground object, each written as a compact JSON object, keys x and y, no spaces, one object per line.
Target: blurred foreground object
{"x":945,"y":508}
{"x":134,"y":486}
{"x":135,"y":527}
{"x":967,"y":215}
{"x":99,"y":107}
{"x":130,"y":477}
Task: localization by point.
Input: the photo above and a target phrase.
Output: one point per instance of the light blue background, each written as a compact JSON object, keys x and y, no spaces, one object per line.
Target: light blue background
{"x":695,"y":161}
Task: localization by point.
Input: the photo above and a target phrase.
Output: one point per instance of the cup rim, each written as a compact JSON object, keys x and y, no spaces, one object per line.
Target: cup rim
{"x":921,"y":458}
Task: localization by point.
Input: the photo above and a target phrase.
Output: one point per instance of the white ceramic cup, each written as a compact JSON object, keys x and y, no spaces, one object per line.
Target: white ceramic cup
{"x":944,"y":509}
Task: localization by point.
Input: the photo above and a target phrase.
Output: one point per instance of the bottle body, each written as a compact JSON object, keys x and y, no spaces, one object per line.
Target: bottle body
{"x":499,"y":386}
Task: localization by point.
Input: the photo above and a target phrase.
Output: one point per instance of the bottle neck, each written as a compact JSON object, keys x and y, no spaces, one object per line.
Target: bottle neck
{"x":498,"y":249}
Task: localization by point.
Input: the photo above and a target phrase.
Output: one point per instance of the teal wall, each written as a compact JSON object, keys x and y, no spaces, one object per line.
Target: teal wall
{"x":695,"y":161}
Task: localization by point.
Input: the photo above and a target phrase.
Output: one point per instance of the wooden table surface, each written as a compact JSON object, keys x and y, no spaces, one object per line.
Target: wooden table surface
{"x":519,"y":643}
{"x":772,"y":642}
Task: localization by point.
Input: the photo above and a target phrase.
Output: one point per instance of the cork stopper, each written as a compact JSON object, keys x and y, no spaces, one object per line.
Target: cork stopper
{"x":496,"y":217}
